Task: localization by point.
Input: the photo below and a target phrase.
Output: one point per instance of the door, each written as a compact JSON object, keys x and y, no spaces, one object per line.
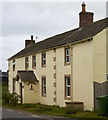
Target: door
{"x":21,"y":92}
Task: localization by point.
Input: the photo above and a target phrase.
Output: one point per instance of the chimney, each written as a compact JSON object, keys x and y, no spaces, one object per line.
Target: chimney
{"x":31,"y":37}
{"x":85,"y":17}
{"x":29,"y":42}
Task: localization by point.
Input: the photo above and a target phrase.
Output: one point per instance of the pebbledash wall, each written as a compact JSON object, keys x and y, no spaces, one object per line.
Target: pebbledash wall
{"x":88,"y":64}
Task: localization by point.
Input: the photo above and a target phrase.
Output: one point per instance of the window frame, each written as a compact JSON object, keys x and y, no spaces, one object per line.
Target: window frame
{"x":26,"y":62}
{"x":43,"y":59}
{"x":43,"y":85}
{"x":33,"y":61}
{"x":67,"y":86}
{"x":13,"y":64}
{"x":67,"y":55}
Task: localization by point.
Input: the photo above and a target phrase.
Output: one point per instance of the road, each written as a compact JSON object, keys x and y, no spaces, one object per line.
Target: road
{"x":10,"y":114}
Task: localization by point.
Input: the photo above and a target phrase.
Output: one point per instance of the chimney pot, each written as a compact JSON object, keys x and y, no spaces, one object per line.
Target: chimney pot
{"x":83,"y":7}
{"x":31,"y":37}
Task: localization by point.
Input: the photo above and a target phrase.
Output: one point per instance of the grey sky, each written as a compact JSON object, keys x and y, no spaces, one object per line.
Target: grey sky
{"x":20,"y":20}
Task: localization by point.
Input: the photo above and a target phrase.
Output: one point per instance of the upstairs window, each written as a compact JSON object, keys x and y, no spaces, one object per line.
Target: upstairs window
{"x":43,"y":86}
{"x":67,"y":86}
{"x":34,"y":61}
{"x":26,"y":63}
{"x":13,"y":65}
{"x":43,"y":59}
{"x":67,"y":55}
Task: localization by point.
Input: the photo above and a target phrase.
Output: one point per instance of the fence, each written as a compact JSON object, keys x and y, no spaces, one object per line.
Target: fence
{"x":99,"y":90}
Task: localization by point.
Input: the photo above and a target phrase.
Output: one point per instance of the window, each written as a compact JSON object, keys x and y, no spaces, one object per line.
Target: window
{"x":31,"y":87}
{"x":13,"y":84}
{"x":13,"y":65}
{"x":43,"y":86}
{"x":26,"y":63}
{"x":34,"y":61}
{"x":43,"y":59}
{"x":67,"y":86}
{"x":67,"y":55}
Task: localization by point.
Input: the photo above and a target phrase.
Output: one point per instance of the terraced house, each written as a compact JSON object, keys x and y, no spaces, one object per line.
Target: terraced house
{"x":62,"y":69}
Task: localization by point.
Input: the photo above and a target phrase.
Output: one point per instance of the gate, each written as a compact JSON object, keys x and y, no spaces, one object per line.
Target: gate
{"x":100,"y":89}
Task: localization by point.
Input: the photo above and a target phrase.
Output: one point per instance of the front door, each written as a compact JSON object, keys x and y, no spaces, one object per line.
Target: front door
{"x":21,"y":92}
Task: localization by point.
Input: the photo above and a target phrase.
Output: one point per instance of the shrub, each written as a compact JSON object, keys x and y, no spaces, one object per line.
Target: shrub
{"x":14,"y":98}
{"x":6,"y":97}
{"x":11,"y":99}
{"x":70,"y":110}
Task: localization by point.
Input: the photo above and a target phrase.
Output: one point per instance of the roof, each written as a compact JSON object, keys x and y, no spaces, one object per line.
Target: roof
{"x":27,"y":76}
{"x":71,"y":36}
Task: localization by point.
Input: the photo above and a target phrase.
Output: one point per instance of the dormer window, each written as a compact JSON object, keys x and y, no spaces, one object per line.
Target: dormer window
{"x":34,"y":61}
{"x":67,"y":55}
{"x":26,"y":63}
{"x":43,"y":59}
{"x":13,"y":65}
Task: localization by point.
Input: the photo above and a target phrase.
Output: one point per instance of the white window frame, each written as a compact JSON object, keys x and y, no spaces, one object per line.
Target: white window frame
{"x":67,"y":50}
{"x":34,"y":61}
{"x":13,"y":65}
{"x":43,"y":86}
{"x":67,"y":86}
{"x":43,"y":59}
{"x":26,"y":62}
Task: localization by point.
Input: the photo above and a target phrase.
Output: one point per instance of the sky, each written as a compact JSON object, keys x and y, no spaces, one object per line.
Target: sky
{"x":20,"y":20}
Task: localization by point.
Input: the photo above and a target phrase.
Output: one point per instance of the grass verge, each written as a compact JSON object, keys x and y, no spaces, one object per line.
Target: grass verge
{"x":57,"y":111}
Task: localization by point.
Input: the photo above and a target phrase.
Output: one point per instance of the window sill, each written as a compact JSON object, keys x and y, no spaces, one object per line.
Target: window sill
{"x":67,"y":98}
{"x":43,"y":66}
{"x":66,"y":64}
{"x":43,"y":95}
{"x":33,"y":67}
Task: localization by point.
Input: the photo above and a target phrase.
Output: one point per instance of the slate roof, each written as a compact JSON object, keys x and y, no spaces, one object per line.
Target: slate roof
{"x":71,"y":36}
{"x":27,"y":76}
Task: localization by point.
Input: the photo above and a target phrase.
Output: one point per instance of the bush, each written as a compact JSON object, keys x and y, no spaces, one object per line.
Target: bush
{"x":70,"y":110}
{"x":6,"y":97}
{"x":14,"y":98}
{"x":11,"y":99}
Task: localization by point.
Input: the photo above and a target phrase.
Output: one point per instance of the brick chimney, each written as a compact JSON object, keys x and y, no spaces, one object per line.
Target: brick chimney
{"x":29,"y":42}
{"x":85,"y":17}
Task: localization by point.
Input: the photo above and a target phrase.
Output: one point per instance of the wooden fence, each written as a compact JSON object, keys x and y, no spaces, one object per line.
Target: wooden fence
{"x":100,"y":89}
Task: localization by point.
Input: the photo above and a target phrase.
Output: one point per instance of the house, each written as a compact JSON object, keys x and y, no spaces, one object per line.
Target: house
{"x":3,"y":76}
{"x":62,"y":69}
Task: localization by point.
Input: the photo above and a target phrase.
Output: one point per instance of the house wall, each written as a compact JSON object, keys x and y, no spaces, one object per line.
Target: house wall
{"x":99,"y":57}
{"x":31,"y":96}
{"x":83,"y":73}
